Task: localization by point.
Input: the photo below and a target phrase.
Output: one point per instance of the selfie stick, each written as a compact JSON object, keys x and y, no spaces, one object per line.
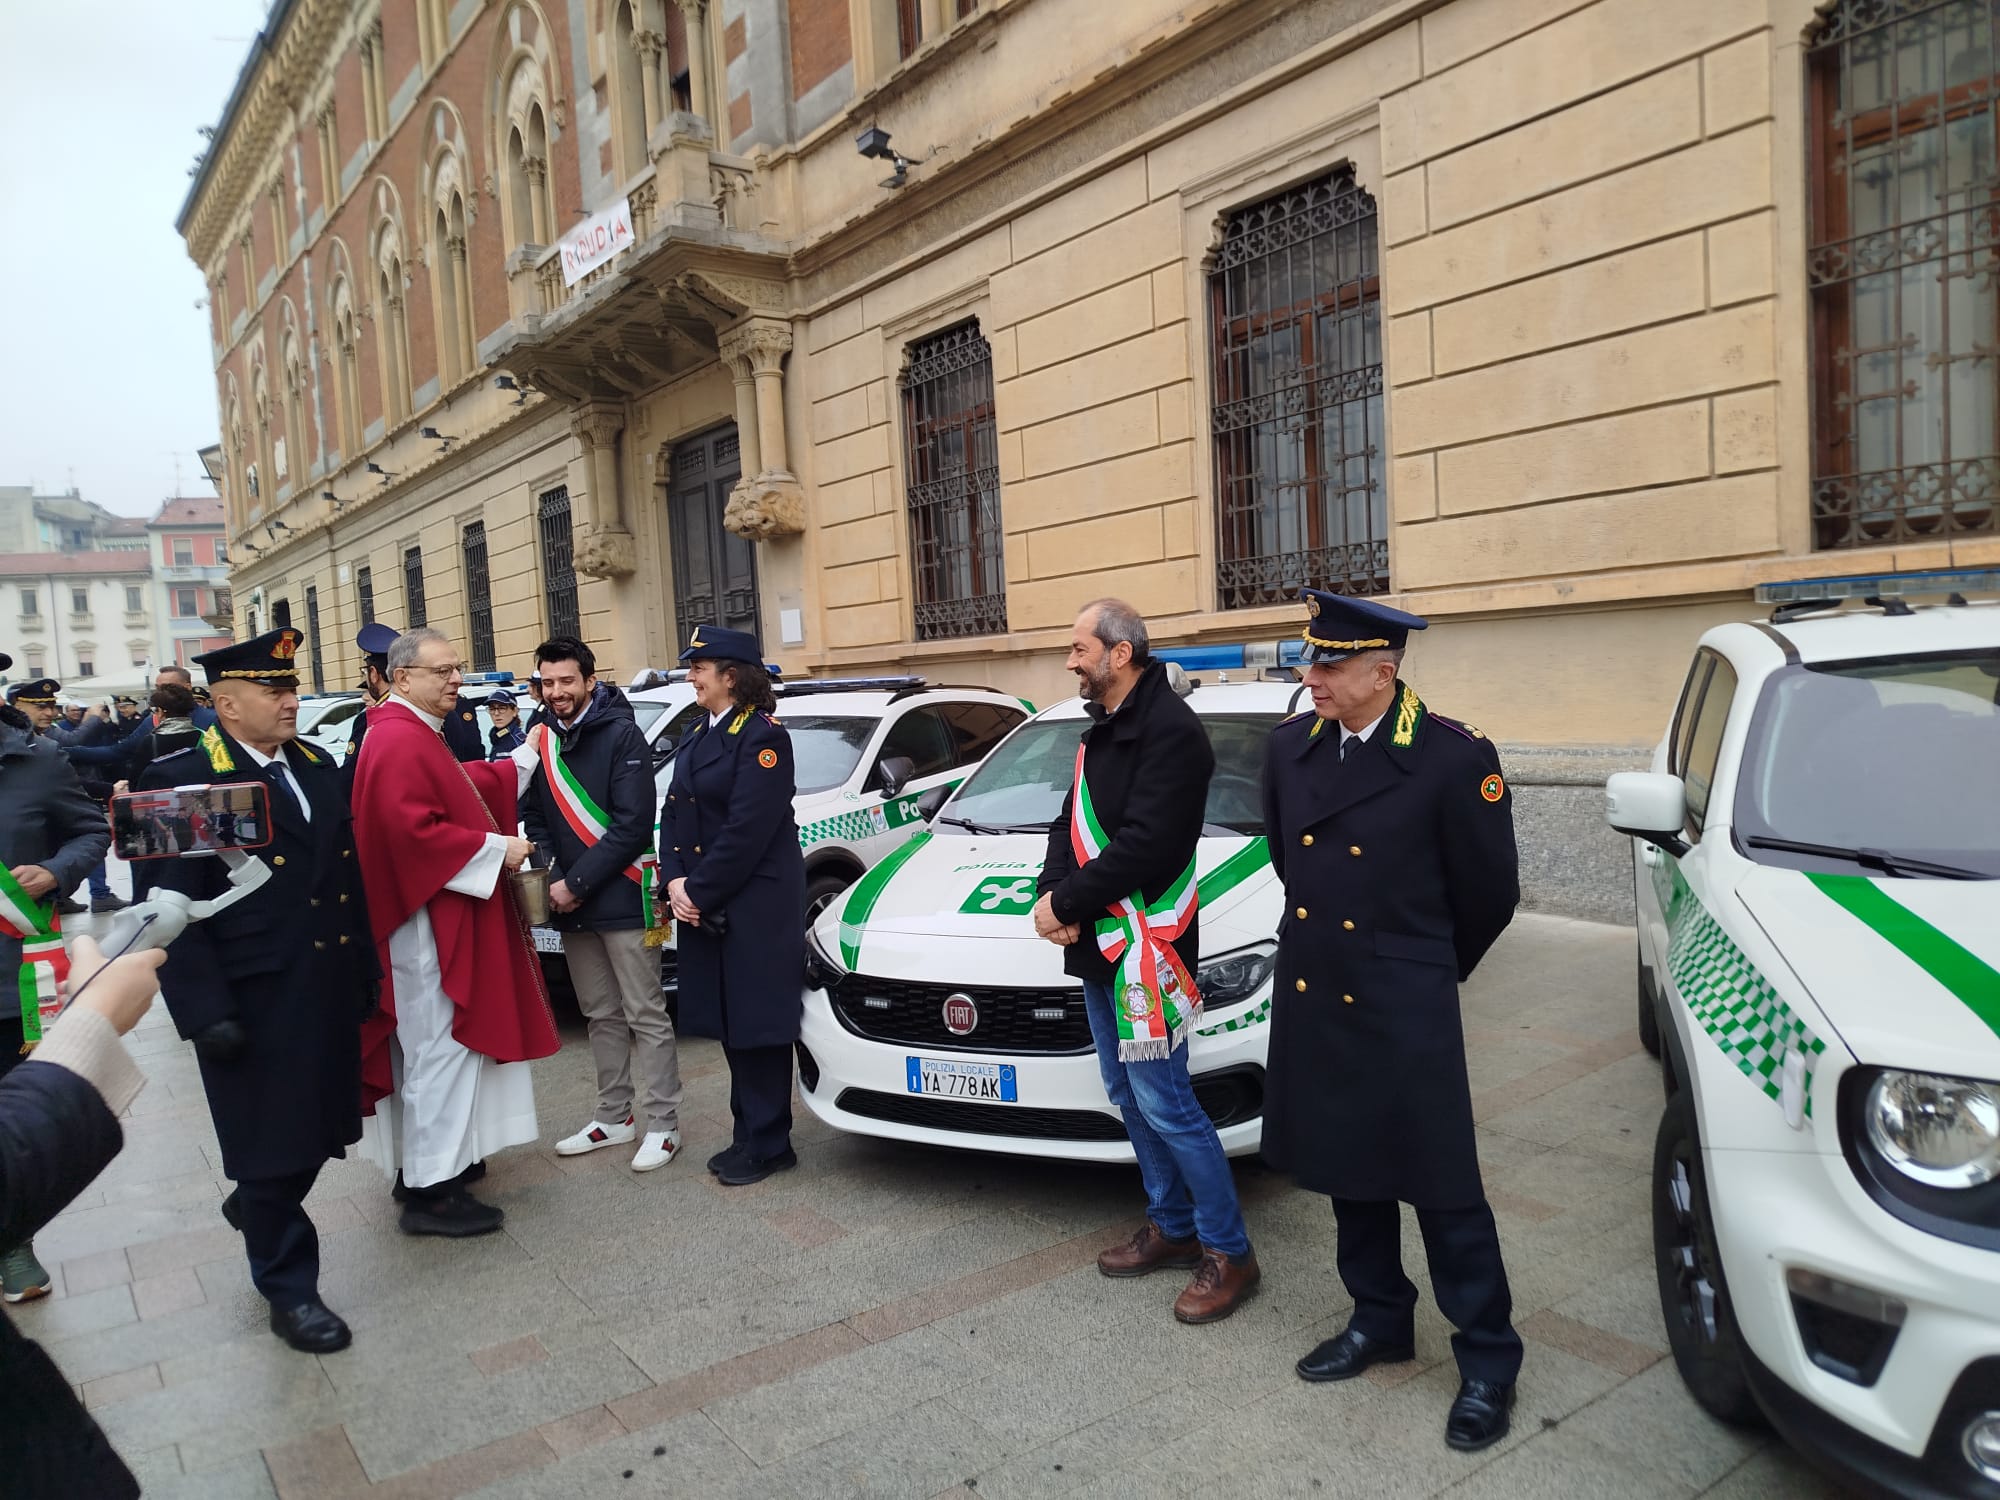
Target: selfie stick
{"x":164,"y":916}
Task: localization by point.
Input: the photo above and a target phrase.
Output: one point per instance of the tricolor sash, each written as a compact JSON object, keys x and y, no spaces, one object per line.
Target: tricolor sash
{"x":44,"y":960}
{"x":588,"y":822}
{"x":1152,"y":992}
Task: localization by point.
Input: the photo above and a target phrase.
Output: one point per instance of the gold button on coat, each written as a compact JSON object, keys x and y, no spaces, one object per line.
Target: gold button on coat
{"x":1300,"y":986}
{"x":1349,"y":999}
{"x":277,"y":859}
{"x":1307,"y":841}
{"x":313,"y":900}
{"x":343,"y":898}
{"x":317,"y":943}
{"x":1354,"y":849}
{"x":343,"y":940}
{"x":1348,"y":925}
{"x":1302,"y":913}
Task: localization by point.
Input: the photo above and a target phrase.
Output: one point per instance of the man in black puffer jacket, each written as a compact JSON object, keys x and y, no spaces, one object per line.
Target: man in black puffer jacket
{"x":591,"y":810}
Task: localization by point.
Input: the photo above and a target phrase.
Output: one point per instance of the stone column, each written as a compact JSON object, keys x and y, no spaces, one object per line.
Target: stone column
{"x":694,"y":16}
{"x":770,"y":342}
{"x":936,"y":18}
{"x":735,"y":349}
{"x":768,"y":502}
{"x":604,"y":546}
{"x":649,"y":45}
{"x":461,"y":276}
{"x":536,"y":170}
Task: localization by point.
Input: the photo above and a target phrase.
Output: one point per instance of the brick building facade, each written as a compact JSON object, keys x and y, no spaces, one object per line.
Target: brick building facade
{"x":1564,"y":322}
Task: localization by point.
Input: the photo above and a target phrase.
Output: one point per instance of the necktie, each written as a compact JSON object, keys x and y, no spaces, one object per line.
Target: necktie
{"x":1345,"y":741}
{"x":275,"y":774}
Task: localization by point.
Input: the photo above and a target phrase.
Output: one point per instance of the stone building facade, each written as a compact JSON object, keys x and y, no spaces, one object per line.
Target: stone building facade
{"x":190,"y":577}
{"x":1562,"y":322}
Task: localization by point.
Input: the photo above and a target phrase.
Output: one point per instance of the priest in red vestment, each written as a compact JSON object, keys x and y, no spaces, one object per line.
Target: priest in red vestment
{"x":445,"y":1062}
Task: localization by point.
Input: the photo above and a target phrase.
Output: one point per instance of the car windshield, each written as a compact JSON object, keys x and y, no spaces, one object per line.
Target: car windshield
{"x":646,"y":715}
{"x":1894,"y":755}
{"x":1021,"y":785}
{"x":825,"y":751}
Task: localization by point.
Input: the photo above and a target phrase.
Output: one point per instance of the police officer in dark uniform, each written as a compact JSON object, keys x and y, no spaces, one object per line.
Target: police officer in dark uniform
{"x":733,"y":870}
{"x":1392,"y":830}
{"x":461,"y":728}
{"x":273,"y":989}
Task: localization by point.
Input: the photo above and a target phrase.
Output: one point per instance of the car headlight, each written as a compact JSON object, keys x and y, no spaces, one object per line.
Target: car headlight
{"x":822,"y":968}
{"x":1937,"y":1130}
{"x":1236,"y":975}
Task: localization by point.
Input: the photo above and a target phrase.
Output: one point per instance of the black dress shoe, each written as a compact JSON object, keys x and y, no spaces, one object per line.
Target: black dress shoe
{"x":471,"y":1174}
{"x":726,"y":1157}
{"x":102,"y":904}
{"x":1479,"y":1416}
{"x":746,"y":1169}
{"x":1347,"y":1354}
{"x":232,"y":1211}
{"x":455,"y":1214}
{"x":71,"y":908}
{"x":311,"y":1327}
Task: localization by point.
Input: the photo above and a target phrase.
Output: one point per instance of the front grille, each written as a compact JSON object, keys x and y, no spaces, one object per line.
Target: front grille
{"x":913,"y":1015}
{"x":1229,"y":1096}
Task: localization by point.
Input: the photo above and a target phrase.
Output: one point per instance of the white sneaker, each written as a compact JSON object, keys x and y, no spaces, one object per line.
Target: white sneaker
{"x":597,"y":1135}
{"x":656,"y":1150}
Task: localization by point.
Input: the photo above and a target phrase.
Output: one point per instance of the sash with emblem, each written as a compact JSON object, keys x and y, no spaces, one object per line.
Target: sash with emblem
{"x":588,"y":822}
{"x":44,"y":960}
{"x":1152,"y":992}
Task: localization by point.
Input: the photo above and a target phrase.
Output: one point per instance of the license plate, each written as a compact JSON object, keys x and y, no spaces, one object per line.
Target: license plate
{"x":546,"y":940}
{"x":992,"y":1082}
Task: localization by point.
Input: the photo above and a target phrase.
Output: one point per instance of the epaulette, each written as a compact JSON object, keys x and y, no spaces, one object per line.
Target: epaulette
{"x":740,"y":720}
{"x":1457,"y":728}
{"x":312,"y":756}
{"x":770,"y":718}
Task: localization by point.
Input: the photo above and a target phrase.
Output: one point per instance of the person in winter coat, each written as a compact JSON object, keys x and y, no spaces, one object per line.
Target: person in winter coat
{"x":174,"y":706}
{"x":506,"y":732}
{"x":59,"y":1128}
{"x":1127,"y":838}
{"x":590,"y":809}
{"x":730,"y":857}
{"x":51,"y":835}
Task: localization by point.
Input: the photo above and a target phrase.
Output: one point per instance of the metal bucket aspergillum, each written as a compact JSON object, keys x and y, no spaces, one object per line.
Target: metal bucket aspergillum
{"x":531,"y":890}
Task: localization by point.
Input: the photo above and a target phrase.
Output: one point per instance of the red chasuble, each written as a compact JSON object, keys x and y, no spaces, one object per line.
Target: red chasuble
{"x":419,"y":815}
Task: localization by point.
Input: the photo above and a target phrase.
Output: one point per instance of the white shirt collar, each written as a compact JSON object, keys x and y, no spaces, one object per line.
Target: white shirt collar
{"x":435,"y":721}
{"x":1364,"y":731}
{"x":264,"y":760}
{"x":717,"y":718}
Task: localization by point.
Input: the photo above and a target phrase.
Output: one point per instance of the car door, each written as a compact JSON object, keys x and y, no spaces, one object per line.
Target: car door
{"x":919,"y":734}
{"x":1690,"y":885}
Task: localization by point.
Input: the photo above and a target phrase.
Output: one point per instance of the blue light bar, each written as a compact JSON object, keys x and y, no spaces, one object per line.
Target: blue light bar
{"x":1881,"y":586}
{"x":1203,"y":658}
{"x":490,"y":679}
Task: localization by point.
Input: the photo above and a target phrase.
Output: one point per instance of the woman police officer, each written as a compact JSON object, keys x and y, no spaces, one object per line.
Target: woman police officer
{"x":734,"y":873}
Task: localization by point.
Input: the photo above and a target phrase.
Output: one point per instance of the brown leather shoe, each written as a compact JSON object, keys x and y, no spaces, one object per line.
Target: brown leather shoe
{"x":1220,"y":1286}
{"x":1148,"y":1251}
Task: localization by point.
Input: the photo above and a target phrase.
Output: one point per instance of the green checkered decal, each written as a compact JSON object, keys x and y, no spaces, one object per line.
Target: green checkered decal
{"x":1735,"y":1004}
{"x":1255,"y":1016}
{"x":860,"y":823}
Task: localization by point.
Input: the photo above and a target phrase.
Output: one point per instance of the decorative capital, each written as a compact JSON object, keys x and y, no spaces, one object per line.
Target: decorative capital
{"x":648,"y":44}
{"x":534,"y":168}
{"x":597,"y":426}
{"x":323,"y":116}
{"x":693,"y":10}
{"x":455,"y":247}
{"x":760,"y":343}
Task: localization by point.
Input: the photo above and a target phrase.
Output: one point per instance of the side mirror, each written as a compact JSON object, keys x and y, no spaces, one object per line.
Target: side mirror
{"x":663,"y":750}
{"x":1648,"y":805}
{"x":929,"y":803}
{"x":894,"y":772}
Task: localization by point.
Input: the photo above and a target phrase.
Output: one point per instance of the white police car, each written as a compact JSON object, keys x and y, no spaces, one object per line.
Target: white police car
{"x":1818,"y":879}
{"x":933,"y":1013}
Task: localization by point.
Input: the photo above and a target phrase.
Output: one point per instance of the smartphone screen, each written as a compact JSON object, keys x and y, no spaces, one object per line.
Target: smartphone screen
{"x":176,"y":822}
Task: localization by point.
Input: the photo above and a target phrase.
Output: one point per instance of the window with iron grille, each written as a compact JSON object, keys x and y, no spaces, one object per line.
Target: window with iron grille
{"x":558,"y":563}
{"x":1906,"y":248}
{"x":1296,"y":420}
{"x":364,"y":593}
{"x":415,"y":614}
{"x":479,"y":597}
{"x":952,"y":473}
{"x":312,"y":638}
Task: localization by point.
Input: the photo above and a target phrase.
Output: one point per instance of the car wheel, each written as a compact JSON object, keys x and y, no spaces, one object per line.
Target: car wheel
{"x":821,"y":891}
{"x":1694,"y":1296}
{"x":1649,"y":1006}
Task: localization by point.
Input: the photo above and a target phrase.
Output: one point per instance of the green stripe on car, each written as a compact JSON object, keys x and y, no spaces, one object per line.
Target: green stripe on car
{"x":866,"y":891}
{"x":1944,"y":958}
{"x":1233,"y":871}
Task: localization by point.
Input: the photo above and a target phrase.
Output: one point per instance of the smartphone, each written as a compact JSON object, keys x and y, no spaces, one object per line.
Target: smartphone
{"x":183,"y":821}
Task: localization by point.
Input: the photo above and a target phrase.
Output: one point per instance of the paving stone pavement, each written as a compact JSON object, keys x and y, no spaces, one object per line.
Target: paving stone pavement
{"x":888,"y":1320}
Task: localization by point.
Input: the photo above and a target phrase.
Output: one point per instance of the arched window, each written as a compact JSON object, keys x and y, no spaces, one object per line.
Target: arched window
{"x":450,"y":273}
{"x":295,"y":410}
{"x":392,"y":324}
{"x":346,"y":366}
{"x":628,"y":78}
{"x":267,"y":466}
{"x":526,"y":203}
{"x":235,"y":444}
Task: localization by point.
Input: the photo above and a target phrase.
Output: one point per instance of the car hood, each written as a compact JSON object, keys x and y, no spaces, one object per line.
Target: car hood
{"x":1907,"y":971}
{"x":942,"y":890}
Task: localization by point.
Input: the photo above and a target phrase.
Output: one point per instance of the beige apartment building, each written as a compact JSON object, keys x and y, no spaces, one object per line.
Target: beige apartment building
{"x":1561,"y":322}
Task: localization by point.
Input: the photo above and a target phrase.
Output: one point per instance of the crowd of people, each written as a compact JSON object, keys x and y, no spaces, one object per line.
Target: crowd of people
{"x":379,"y":989}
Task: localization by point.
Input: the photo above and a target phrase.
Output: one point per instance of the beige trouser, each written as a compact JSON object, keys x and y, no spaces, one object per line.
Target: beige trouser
{"x":617,"y":979}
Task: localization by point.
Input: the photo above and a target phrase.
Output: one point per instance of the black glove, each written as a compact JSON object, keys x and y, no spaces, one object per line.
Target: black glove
{"x":222,"y":1042}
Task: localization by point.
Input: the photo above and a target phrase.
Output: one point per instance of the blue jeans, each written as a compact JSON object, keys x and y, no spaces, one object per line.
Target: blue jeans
{"x":100,"y":888}
{"x":1189,"y":1189}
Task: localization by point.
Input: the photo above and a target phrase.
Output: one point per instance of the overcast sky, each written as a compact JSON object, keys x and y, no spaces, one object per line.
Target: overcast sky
{"x":105,"y":378}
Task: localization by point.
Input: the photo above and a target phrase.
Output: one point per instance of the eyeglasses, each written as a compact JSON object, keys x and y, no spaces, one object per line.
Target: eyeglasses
{"x":449,"y":669}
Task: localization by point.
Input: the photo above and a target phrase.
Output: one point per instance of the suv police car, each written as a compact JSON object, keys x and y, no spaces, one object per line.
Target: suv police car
{"x":933,"y":1013}
{"x":1817,"y":852}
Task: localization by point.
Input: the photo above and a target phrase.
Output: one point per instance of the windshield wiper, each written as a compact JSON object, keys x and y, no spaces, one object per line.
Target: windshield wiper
{"x":1873,"y":859}
{"x":971,"y":827}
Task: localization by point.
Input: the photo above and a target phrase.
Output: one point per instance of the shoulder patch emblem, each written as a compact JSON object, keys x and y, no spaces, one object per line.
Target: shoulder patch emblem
{"x":767,"y":758}
{"x":1493,"y":788}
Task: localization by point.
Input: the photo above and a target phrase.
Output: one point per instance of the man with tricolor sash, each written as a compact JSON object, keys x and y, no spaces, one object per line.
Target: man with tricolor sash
{"x":1118,"y":891}
{"x":51,"y":835}
{"x":590,"y":808}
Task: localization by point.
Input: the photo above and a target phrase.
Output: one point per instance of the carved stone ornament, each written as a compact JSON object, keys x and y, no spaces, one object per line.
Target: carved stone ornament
{"x":605,"y":554}
{"x":766,"y":508}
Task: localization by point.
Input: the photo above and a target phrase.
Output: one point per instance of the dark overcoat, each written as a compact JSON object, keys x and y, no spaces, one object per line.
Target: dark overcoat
{"x":610,"y":760}
{"x":1399,"y":870}
{"x":293,"y":962}
{"x":728,"y":829}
